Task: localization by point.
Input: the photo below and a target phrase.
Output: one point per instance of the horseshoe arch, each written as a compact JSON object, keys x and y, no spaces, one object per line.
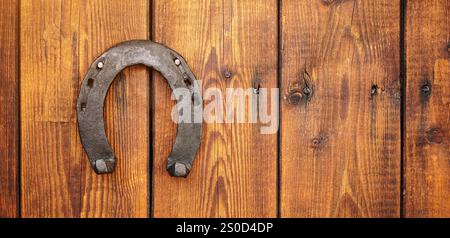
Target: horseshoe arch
{"x":94,"y":89}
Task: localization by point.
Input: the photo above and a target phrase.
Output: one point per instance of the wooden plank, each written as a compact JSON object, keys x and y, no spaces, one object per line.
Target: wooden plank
{"x":125,"y":192}
{"x":9,"y":100}
{"x":234,"y":174}
{"x":427,"y":153}
{"x":50,"y":185}
{"x":340,"y":138}
{"x":59,"y":39}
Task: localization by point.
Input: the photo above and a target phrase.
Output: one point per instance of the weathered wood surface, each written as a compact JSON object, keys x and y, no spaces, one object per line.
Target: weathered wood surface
{"x":59,"y":40}
{"x":228,"y":44}
{"x":340,"y":129}
{"x":9,"y":101}
{"x":341,"y":102}
{"x":427,"y":116}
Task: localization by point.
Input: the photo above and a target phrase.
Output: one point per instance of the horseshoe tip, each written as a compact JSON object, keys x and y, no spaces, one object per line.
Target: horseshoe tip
{"x":102,"y":166}
{"x":178,"y":169}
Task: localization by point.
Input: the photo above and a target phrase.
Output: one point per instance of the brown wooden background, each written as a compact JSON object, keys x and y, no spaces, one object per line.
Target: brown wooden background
{"x":367,"y":136}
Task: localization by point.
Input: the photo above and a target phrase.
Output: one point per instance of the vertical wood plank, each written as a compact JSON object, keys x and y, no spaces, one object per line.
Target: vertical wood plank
{"x":9,"y":102}
{"x":228,"y":44}
{"x":125,"y":192}
{"x":49,"y":81}
{"x":340,"y":138}
{"x":59,"y":39}
{"x":427,"y":153}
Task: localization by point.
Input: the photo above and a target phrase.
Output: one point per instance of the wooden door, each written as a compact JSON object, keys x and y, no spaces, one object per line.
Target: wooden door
{"x":363,"y":109}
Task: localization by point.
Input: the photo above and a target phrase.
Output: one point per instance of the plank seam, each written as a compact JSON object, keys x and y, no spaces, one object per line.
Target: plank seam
{"x":279,"y":78}
{"x":19,"y":119}
{"x":403,"y":9}
{"x":150,"y":200}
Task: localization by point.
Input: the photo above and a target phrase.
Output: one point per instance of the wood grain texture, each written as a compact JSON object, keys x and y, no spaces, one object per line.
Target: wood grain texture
{"x":234,"y":174}
{"x":125,"y":192}
{"x":9,"y":101}
{"x":427,"y":143}
{"x":59,"y":40}
{"x":340,"y":138}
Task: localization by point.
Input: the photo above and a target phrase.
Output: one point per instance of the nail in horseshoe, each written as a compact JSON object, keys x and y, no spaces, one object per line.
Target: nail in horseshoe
{"x":95,"y":86}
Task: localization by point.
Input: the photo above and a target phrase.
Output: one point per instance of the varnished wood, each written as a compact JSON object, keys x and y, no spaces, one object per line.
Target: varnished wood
{"x":341,"y":102}
{"x":125,"y":192}
{"x":340,"y":137}
{"x":234,"y":174}
{"x":427,"y":143}
{"x":9,"y":101}
{"x":59,"y":39}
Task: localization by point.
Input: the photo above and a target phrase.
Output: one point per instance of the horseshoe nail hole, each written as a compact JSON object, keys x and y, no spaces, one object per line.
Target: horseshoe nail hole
{"x":100,"y":65}
{"x":187,"y":82}
{"x":83,"y":106}
{"x":90,"y":83}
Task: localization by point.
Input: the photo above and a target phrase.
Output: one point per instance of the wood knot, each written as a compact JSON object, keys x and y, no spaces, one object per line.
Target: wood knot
{"x":315,"y":142}
{"x":227,"y":74}
{"x":299,"y":91}
{"x":374,"y":90}
{"x":318,"y":142}
{"x":435,"y":135}
{"x":296,"y":94}
{"x":425,"y":91}
{"x":295,"y":97}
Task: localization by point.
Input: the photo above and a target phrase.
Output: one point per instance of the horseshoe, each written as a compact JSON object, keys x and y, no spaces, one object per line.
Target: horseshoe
{"x":173,"y":67}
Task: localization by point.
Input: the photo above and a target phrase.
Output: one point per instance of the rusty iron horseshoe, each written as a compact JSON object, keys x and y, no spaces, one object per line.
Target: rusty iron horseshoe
{"x":95,"y":86}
